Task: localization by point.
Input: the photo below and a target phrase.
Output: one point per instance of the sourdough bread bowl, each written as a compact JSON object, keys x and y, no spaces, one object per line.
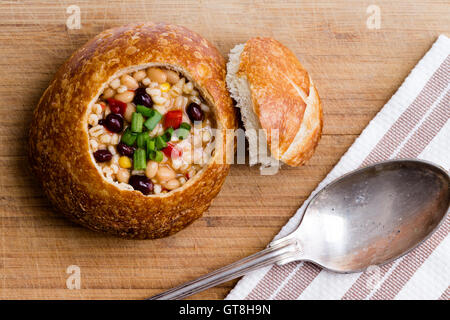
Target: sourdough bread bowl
{"x":62,"y":145}
{"x":274,"y":92}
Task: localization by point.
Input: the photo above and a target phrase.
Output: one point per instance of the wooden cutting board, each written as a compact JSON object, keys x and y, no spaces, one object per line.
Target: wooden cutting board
{"x":355,"y":68}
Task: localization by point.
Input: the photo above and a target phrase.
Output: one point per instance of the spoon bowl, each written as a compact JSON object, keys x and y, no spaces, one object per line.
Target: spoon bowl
{"x":373,"y":215}
{"x":370,"y":216}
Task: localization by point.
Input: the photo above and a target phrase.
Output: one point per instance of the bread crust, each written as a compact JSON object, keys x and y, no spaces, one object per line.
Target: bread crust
{"x":282,"y":94}
{"x":58,"y":139}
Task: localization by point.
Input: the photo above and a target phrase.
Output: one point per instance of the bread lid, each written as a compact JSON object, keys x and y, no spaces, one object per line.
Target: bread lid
{"x":276,"y":93}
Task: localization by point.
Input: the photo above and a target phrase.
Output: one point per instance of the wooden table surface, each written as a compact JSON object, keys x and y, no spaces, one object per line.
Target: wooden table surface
{"x":356,"y":70}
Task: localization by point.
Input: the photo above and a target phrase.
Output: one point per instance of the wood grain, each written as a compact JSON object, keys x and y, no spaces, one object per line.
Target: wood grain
{"x":355,"y":69}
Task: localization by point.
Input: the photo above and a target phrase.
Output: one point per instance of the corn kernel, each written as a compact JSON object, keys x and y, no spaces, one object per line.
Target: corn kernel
{"x":125,"y":162}
{"x":165,"y":87}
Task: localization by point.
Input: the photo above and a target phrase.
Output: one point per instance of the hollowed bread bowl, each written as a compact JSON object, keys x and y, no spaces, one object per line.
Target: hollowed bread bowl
{"x":58,"y":141}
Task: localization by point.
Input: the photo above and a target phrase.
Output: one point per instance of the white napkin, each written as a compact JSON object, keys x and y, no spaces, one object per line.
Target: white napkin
{"x":413,"y":124}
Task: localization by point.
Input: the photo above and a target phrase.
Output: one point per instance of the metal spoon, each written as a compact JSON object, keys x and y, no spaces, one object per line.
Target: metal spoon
{"x":370,"y":216}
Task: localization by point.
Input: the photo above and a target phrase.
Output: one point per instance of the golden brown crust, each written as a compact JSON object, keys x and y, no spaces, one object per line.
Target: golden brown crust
{"x":58,"y":140}
{"x":307,"y":139}
{"x":281,"y":91}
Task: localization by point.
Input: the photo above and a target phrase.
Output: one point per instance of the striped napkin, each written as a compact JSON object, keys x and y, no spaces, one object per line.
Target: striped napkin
{"x":413,"y":124}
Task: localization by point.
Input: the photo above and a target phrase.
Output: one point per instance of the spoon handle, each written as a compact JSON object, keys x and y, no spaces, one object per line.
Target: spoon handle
{"x":276,"y":252}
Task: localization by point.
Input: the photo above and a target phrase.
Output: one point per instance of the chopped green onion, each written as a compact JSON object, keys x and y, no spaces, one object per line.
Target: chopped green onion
{"x":136,"y":122}
{"x":160,"y":143}
{"x":168,"y":134}
{"x":142,"y":139}
{"x":156,"y":156}
{"x":139,"y":160}
{"x":186,"y":126}
{"x":146,"y":112}
{"x":150,"y":146}
{"x":182,"y":133}
{"x":128,"y":137}
{"x":153,"y":120}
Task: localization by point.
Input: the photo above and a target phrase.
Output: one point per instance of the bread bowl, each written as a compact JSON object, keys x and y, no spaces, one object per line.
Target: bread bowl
{"x":274,"y":92}
{"x":61,"y":151}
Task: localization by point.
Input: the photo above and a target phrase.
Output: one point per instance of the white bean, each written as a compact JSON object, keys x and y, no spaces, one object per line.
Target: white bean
{"x":171,"y":184}
{"x":108,"y":93}
{"x":125,"y":186}
{"x":129,"y":82}
{"x":115,"y":83}
{"x":122,"y":89}
{"x":172,"y":76}
{"x":129,"y":112}
{"x":165,"y":174}
{"x":126,"y":96}
{"x":177,"y":163}
{"x":139,"y":75}
{"x":152,"y":168}
{"x":123,"y":175}
{"x":146,"y":81}
{"x":188,"y":87}
{"x":157,"y":75}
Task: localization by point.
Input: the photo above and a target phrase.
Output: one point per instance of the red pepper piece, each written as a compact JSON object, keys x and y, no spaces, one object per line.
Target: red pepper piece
{"x":173,"y":119}
{"x":171,"y":151}
{"x":117,"y":106}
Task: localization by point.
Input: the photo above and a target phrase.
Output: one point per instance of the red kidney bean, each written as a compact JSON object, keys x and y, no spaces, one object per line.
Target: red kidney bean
{"x":102,"y":155}
{"x":125,"y":150}
{"x":141,"y":183}
{"x":194,"y":112}
{"x":141,"y":97}
{"x":114,"y":122}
